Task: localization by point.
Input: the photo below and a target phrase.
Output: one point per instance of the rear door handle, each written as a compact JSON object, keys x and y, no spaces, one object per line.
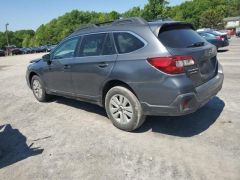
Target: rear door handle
{"x":66,"y":67}
{"x":103,"y":65}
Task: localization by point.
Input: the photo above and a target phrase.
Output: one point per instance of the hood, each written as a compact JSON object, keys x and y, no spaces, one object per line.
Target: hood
{"x":36,"y":60}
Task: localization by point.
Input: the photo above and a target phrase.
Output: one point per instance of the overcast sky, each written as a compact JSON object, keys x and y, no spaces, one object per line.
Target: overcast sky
{"x":30,"y":14}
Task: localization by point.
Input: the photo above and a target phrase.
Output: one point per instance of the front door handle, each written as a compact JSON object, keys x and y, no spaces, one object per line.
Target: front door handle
{"x":103,"y":65}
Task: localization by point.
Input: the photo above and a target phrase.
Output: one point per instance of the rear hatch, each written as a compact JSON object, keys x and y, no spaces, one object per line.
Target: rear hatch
{"x":181,"y":39}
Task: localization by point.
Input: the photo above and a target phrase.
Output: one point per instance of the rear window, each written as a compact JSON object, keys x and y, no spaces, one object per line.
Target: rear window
{"x":127,"y":42}
{"x":179,"y":37}
{"x":207,"y":35}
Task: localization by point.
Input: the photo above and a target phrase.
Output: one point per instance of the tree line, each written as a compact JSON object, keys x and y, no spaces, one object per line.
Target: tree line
{"x":201,"y":13}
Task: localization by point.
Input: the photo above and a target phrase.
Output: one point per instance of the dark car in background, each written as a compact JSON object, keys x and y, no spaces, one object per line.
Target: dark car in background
{"x":25,"y":50}
{"x":132,"y":68}
{"x":216,"y":38}
{"x":36,"y":49}
{"x":30,"y":50}
{"x":238,"y":34}
{"x":43,"y":48}
{"x":2,"y":52}
{"x":13,"y":50}
{"x":16,"y":51}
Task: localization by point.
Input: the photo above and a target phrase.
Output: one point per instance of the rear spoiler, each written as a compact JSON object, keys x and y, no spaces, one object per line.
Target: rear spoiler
{"x":158,"y":28}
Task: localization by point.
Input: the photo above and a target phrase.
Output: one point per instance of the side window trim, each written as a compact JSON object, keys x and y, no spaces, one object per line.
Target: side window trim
{"x":104,"y":44}
{"x":77,"y":51}
{"x":63,"y":42}
{"x":111,"y":42}
{"x":135,"y":35}
{"x":110,"y":33}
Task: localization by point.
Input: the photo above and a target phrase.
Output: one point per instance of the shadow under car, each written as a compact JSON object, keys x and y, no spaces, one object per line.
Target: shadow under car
{"x":182,"y":126}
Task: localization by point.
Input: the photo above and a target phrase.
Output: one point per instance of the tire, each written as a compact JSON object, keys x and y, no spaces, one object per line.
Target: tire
{"x":39,"y":90}
{"x":124,"y":109}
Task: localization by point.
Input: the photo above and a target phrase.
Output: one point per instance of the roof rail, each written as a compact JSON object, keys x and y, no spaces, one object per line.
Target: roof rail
{"x":104,"y":23}
{"x":132,"y":20}
{"x":161,"y":19}
{"x":84,"y":27}
{"x":91,"y":26}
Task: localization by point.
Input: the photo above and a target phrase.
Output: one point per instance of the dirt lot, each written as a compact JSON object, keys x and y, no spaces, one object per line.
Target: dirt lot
{"x":67,"y":139}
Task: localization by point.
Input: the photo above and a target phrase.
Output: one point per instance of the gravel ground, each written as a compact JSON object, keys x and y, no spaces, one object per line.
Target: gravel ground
{"x":68,"y":139}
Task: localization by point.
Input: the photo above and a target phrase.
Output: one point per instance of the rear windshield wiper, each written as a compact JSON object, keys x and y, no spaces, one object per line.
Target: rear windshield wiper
{"x":197,"y":44}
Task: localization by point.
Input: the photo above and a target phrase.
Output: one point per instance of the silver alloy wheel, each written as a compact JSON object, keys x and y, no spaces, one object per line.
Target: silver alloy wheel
{"x":121,"y":109}
{"x":37,"y":88}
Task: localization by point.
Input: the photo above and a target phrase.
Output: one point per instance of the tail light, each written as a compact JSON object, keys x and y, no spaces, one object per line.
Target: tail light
{"x":221,"y":38}
{"x":172,"y":64}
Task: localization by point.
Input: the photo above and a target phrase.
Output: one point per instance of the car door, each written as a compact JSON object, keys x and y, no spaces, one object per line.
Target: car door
{"x":97,"y":56}
{"x":58,"y":72}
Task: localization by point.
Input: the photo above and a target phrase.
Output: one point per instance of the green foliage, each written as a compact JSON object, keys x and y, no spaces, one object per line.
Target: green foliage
{"x":211,"y":18}
{"x":134,"y":12}
{"x":201,"y":13}
{"x":57,"y":29}
{"x":3,"y":41}
{"x":154,"y":9}
{"x":16,"y":38}
{"x":192,"y":11}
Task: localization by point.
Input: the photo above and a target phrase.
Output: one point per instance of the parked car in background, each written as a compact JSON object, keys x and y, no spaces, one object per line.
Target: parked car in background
{"x":36,"y":49}
{"x":24,"y":50}
{"x":16,"y":51}
{"x":31,"y":50}
{"x":132,"y":68}
{"x":226,"y":32}
{"x":51,"y":47}
{"x":238,"y":34}
{"x":43,"y":48}
{"x":2,"y":52}
{"x":216,"y":38}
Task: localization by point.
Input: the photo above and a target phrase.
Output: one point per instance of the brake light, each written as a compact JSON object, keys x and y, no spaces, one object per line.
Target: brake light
{"x":171,"y":64}
{"x":221,"y":38}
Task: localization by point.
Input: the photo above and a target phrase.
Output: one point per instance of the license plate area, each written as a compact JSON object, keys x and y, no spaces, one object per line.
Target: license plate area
{"x":207,"y":68}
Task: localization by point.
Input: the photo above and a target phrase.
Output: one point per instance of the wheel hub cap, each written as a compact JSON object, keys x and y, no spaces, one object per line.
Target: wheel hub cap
{"x":121,"y":109}
{"x":37,"y":88}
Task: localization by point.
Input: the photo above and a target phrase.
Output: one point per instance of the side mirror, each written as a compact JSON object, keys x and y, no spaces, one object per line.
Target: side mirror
{"x":46,"y":58}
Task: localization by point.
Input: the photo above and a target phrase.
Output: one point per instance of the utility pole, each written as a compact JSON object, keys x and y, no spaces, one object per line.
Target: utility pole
{"x":7,"y":48}
{"x":7,"y":33}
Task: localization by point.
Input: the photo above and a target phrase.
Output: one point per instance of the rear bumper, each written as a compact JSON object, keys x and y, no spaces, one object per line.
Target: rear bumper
{"x":223,"y":44}
{"x":189,"y":102}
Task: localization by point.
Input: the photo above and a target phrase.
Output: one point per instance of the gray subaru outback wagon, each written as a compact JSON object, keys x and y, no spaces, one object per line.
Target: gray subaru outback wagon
{"x":132,"y":68}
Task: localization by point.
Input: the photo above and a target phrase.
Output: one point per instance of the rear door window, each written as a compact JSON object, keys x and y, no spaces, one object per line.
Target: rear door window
{"x":126,"y":42}
{"x":92,"y":45}
{"x":179,"y":37}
